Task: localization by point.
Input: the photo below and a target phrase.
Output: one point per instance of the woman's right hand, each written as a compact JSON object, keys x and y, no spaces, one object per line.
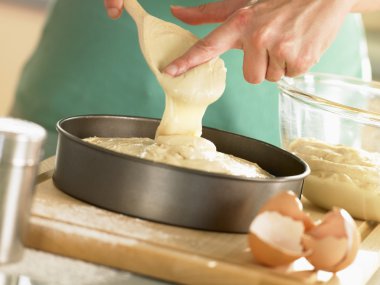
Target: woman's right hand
{"x":114,"y":8}
{"x":278,"y":37}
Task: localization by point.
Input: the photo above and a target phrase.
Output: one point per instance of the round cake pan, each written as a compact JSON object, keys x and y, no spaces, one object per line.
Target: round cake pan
{"x":165,"y":193}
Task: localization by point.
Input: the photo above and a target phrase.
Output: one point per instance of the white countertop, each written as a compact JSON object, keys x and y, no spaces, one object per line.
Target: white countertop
{"x":47,"y":269}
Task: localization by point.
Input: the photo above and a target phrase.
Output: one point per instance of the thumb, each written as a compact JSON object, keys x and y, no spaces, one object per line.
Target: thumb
{"x":214,"y":12}
{"x":214,"y":44}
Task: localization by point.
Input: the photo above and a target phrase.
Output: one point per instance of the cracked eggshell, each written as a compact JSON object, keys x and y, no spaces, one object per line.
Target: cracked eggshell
{"x":287,"y":204}
{"x":334,"y":243}
{"x":275,"y":239}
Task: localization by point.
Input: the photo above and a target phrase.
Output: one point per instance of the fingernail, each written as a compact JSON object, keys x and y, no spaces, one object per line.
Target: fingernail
{"x":113,"y":13}
{"x":171,"y":70}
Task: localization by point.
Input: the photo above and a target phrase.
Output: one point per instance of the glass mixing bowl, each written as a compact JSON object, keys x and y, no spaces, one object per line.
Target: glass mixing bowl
{"x":333,"y":123}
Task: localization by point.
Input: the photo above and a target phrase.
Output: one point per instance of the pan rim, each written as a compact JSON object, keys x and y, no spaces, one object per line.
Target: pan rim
{"x":119,"y":155}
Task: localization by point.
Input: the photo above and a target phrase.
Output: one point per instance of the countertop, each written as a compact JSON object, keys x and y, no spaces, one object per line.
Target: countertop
{"x":47,"y":268}
{"x":43,"y":268}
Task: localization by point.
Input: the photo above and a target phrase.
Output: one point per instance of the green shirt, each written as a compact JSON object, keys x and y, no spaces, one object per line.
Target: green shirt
{"x":86,"y":63}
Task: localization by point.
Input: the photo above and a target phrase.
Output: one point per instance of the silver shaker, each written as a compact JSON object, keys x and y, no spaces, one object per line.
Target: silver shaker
{"x":20,"y":153}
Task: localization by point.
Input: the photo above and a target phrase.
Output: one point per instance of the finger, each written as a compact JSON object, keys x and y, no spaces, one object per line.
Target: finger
{"x":214,"y":12}
{"x":255,"y":65}
{"x":300,"y":64}
{"x":114,"y":8}
{"x":214,"y":44}
{"x":275,"y":69}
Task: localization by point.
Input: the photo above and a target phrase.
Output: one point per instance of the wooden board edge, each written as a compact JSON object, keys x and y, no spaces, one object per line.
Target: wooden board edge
{"x":46,"y":165}
{"x":140,"y":257}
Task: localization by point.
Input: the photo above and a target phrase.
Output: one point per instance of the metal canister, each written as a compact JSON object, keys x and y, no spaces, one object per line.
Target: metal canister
{"x":20,"y":153}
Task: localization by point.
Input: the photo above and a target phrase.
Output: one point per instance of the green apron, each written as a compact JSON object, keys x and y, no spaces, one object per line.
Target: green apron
{"x":86,"y":63}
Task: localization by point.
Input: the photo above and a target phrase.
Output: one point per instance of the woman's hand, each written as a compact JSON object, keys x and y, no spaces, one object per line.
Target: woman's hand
{"x":114,"y":8}
{"x":278,"y":37}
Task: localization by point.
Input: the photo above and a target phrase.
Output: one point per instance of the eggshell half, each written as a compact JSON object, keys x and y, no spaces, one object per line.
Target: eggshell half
{"x":275,"y":239}
{"x":288,"y":204}
{"x":334,"y":243}
{"x":326,"y":253}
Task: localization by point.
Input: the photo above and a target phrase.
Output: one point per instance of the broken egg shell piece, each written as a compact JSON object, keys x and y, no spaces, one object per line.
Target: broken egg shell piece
{"x":334,"y":243}
{"x":288,"y":204}
{"x":275,"y":239}
{"x":326,"y":252}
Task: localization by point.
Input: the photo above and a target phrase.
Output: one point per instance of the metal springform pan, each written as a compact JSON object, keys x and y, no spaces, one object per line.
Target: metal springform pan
{"x":165,"y":193}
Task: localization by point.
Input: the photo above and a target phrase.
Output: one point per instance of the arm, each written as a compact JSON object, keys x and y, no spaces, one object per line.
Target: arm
{"x":114,"y":7}
{"x":278,"y":37}
{"x":366,"y":6}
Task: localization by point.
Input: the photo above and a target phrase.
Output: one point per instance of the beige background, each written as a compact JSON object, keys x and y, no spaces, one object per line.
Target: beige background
{"x":20,"y":26}
{"x":22,"y":21}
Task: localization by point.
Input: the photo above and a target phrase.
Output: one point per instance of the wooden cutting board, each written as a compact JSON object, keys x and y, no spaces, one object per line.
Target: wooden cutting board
{"x":66,"y":226}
